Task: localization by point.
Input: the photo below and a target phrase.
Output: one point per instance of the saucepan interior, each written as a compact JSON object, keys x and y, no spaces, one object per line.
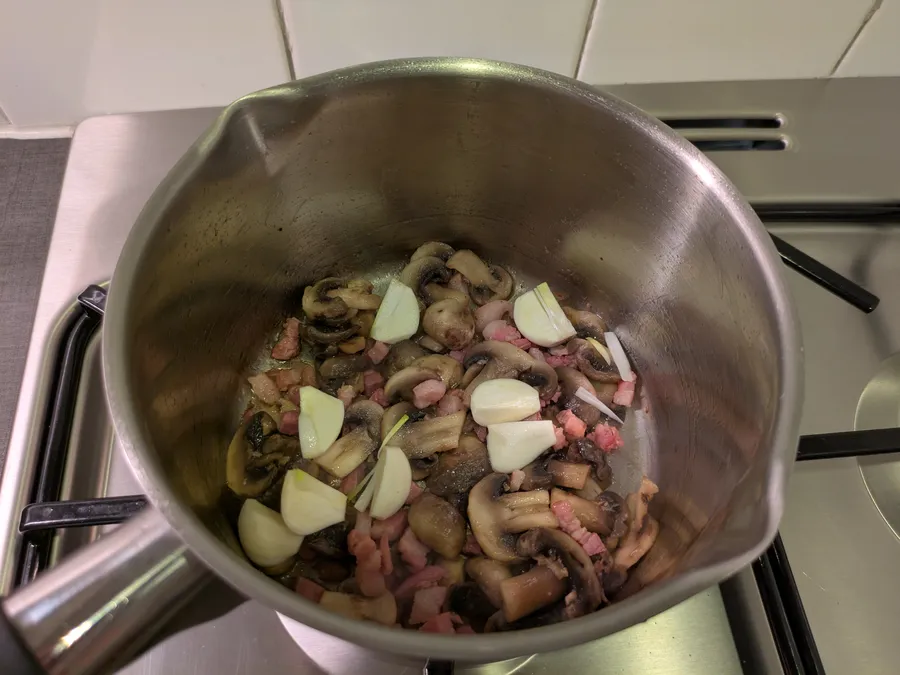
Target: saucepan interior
{"x":347,"y":173}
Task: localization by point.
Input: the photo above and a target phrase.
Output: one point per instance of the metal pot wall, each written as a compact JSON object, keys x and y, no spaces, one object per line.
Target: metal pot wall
{"x":350,"y":171}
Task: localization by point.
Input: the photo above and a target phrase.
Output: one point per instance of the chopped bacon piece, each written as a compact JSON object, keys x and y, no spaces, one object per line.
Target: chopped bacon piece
{"x":500,"y":330}
{"x":559,"y":350}
{"x":308,"y":377}
{"x":391,"y":527}
{"x":607,"y":438}
{"x":536,"y":417}
{"x":346,"y":393}
{"x":372,"y":380}
{"x":452,"y":402}
{"x":369,"y":572}
{"x":387,"y":563}
{"x":264,"y":388}
{"x":428,"y":393}
{"x":561,"y":441}
{"x":472,"y":547}
{"x":521,"y":343}
{"x":516,"y":478}
{"x":442,"y":623}
{"x":481,"y":433}
{"x":557,"y":361}
{"x":288,"y":423}
{"x":293,"y":395}
{"x":572,"y":425}
{"x":429,"y":576}
{"x":624,"y":393}
{"x":378,"y":396}
{"x":378,"y":352}
{"x":285,"y":378}
{"x":351,"y":480}
{"x":537,"y":354}
{"x":492,"y":311}
{"x":458,"y":355}
{"x":427,"y":604}
{"x":465,"y":629}
{"x":569,"y":523}
{"x":309,"y":589}
{"x":288,"y":345}
{"x":413,"y":551}
{"x":414,"y":493}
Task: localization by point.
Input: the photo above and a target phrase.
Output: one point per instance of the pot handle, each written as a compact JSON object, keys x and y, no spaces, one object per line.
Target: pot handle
{"x":102,"y":604}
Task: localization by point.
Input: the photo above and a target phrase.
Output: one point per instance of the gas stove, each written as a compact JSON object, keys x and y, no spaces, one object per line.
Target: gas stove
{"x":811,"y":156}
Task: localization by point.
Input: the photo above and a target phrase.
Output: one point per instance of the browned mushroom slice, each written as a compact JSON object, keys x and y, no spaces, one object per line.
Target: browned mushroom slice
{"x":600,"y":516}
{"x":431,"y":367}
{"x":318,"y":305}
{"x":450,"y":323}
{"x":251,"y":465}
{"x":401,"y":356}
{"x":496,"y":517}
{"x":459,"y":470}
{"x":586,"y":324}
{"x":422,"y":468}
{"x":421,"y":272}
{"x":428,"y":437}
{"x":337,"y":371}
{"x":350,"y":450}
{"x":438,"y":525}
{"x":585,"y":450}
{"x":433,"y":249}
{"x":382,"y":609}
{"x":568,"y":474}
{"x":501,"y":359}
{"x":488,"y":283}
{"x":570,"y":380}
{"x":589,"y":361}
{"x":529,"y":592}
{"x":488,"y":574}
{"x":436,"y":293}
{"x":356,"y":294}
{"x":585,"y":593}
{"x":537,"y":476}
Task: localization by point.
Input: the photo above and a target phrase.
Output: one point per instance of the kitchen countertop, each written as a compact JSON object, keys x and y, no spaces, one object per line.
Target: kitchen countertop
{"x":31,"y":174}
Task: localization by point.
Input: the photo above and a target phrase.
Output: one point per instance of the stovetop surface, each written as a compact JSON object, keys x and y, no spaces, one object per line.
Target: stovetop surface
{"x":842,"y":551}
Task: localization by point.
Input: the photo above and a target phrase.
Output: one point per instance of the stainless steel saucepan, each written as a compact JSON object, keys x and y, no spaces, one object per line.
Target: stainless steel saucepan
{"x":350,"y":171}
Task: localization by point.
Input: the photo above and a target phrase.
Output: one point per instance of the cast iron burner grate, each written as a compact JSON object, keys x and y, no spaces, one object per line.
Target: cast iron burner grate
{"x":772,"y":571}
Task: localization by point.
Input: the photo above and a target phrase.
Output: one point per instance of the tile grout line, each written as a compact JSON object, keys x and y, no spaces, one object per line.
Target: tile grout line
{"x":285,"y":37}
{"x":584,"y":40}
{"x":865,"y":22}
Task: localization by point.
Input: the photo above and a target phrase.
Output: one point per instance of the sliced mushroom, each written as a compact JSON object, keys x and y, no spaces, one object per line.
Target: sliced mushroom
{"x":451,"y":323}
{"x":349,"y":451}
{"x":497,"y":517}
{"x":488,"y":283}
{"x":382,"y":609}
{"x":471,"y":603}
{"x":318,"y":305}
{"x":430,"y":344}
{"x":433,"y":249}
{"x":422,"y":468}
{"x":436,"y":293}
{"x":426,"y":437}
{"x":421,"y":272}
{"x":537,"y":476}
{"x":585,"y":593}
{"x":529,"y":592}
{"x":585,"y":450}
{"x":600,"y":516}
{"x":337,"y":371}
{"x":438,"y":525}
{"x":488,"y":574}
{"x":458,"y":471}
{"x":362,"y":323}
{"x":589,"y":361}
{"x":330,"y":335}
{"x":570,"y":380}
{"x":356,"y":294}
{"x":250,"y":467}
{"x":402,"y":356}
{"x":569,"y":474}
{"x":586,"y":324}
{"x":431,"y":367}
{"x":501,"y":359}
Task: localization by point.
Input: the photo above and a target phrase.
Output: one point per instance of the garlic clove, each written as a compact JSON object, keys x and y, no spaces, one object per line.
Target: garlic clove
{"x":503,"y":400}
{"x":512,"y":445}
{"x":398,"y":316}
{"x":308,"y":505}
{"x":539,"y":318}
{"x":320,"y":421}
{"x":266,"y":540}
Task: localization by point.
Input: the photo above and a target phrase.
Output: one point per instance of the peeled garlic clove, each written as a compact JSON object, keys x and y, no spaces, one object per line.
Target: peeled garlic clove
{"x":503,"y":400}
{"x":308,"y":505}
{"x":398,"y":316}
{"x":539,"y":318}
{"x":512,"y":445}
{"x":393,"y":476}
{"x":320,"y":421}
{"x":265,"y":538}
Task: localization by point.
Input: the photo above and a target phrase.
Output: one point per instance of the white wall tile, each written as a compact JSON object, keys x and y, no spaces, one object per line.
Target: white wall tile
{"x":328,"y":34}
{"x":61,"y":61}
{"x":671,"y":41}
{"x":877,"y":49}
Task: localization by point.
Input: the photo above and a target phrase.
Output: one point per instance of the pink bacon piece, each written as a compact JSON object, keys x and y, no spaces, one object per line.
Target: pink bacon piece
{"x":569,"y":523}
{"x":427,"y":393}
{"x":288,"y":345}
